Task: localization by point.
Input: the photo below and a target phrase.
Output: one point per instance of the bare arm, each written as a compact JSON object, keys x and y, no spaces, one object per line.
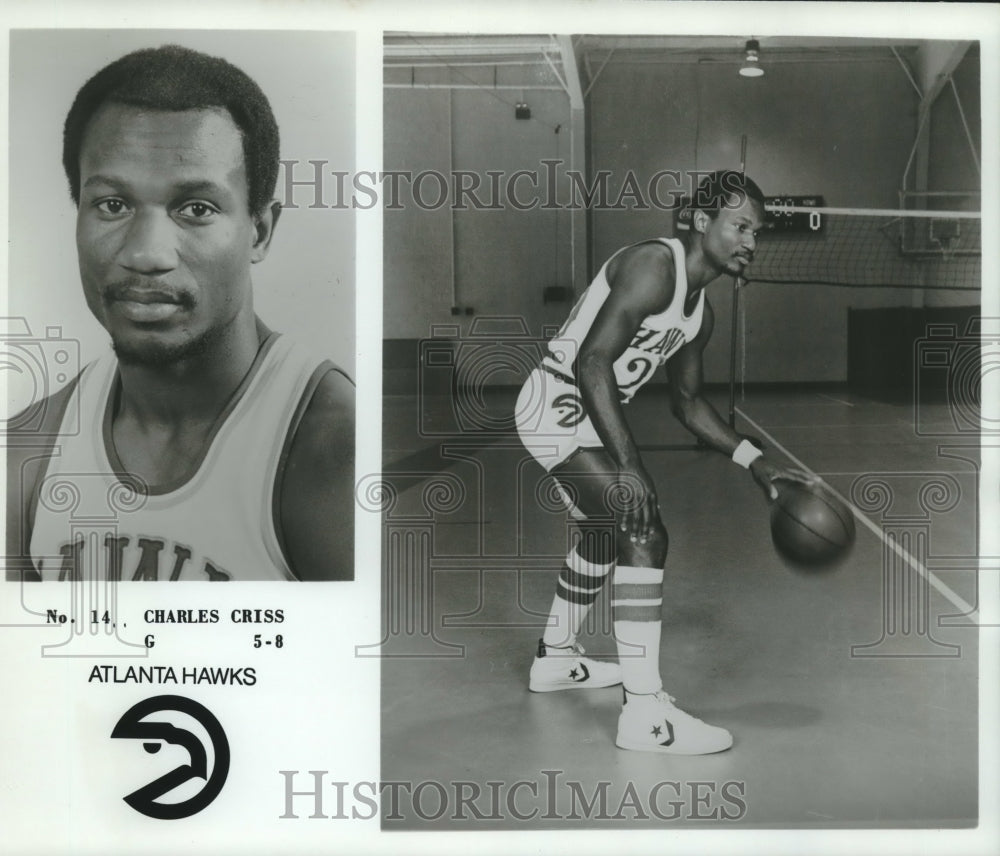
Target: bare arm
{"x":695,"y":412}
{"x":689,"y":405}
{"x":642,"y":284}
{"x":23,"y":468}
{"x":31,"y":440}
{"x":317,"y":492}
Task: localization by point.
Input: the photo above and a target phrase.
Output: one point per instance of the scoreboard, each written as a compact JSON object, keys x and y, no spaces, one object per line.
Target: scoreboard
{"x":779,"y":220}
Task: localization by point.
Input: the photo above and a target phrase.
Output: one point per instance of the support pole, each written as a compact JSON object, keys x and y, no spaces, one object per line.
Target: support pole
{"x":737,"y":284}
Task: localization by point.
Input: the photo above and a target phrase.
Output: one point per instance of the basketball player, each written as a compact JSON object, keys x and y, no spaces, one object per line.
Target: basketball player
{"x":204,"y":446}
{"x":645,"y":308}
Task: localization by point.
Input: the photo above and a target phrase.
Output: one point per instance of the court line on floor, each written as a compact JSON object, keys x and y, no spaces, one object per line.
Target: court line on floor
{"x":968,"y":611}
{"x":866,"y":425}
{"x":838,"y":400}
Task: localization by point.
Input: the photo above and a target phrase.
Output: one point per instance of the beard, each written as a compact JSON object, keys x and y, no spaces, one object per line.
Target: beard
{"x":153,"y":354}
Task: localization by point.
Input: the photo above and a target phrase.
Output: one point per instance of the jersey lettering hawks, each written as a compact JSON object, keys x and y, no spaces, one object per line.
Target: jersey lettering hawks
{"x":134,"y":559}
{"x":657,"y":339}
{"x":93,"y":520}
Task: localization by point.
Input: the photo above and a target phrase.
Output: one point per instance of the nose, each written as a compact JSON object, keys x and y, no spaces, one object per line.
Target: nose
{"x":750,"y":241}
{"x":149,"y":246}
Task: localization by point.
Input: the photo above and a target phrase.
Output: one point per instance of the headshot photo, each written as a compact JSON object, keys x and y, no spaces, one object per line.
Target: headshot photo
{"x":179,"y":342}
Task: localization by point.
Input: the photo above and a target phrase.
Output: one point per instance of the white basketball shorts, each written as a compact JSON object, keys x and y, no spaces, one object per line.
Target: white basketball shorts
{"x":551,"y":419}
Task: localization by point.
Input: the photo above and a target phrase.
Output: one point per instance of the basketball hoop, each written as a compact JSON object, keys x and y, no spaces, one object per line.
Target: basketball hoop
{"x":945,"y":236}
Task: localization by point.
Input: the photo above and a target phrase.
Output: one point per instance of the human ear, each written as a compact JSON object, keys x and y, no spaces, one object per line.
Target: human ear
{"x":264,"y":225}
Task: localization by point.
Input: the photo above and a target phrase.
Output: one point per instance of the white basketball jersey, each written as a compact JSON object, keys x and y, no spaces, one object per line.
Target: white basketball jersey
{"x":95,"y":521}
{"x":656,"y":340}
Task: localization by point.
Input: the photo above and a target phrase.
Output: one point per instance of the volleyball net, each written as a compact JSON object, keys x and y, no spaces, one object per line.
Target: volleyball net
{"x":937,"y":247}
{"x":855,"y":280}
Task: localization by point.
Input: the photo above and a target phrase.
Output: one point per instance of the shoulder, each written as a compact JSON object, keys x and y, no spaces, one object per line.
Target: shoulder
{"x":44,"y":416}
{"x":653,"y":255}
{"x":317,"y":488}
{"x":646,"y":272}
{"x":30,"y":438}
{"x":325,"y":436}
{"x":35,"y":429}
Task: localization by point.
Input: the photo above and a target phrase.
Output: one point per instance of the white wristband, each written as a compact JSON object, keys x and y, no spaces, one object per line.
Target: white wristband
{"x":746,"y":453}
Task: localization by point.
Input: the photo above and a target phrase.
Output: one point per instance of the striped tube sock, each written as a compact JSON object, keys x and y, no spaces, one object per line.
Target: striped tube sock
{"x":637,"y":600}
{"x":579,"y":584}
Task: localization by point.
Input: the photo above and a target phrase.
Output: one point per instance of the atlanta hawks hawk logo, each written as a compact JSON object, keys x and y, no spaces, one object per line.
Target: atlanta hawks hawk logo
{"x":131,"y":726}
{"x":570,"y":408}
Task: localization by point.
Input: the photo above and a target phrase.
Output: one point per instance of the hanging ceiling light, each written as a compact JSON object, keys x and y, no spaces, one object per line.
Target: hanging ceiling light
{"x":751,"y":64}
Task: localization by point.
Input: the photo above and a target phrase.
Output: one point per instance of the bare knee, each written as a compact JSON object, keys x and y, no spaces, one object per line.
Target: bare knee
{"x":597,"y":542}
{"x":652,"y":553}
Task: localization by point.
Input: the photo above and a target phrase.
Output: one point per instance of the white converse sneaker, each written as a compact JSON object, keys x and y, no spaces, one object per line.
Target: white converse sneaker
{"x":567,"y":669}
{"x":651,"y":723}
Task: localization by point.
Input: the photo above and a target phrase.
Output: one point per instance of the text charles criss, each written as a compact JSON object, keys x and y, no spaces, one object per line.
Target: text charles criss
{"x":211,"y":616}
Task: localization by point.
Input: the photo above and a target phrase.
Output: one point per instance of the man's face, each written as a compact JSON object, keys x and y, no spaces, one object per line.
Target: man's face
{"x":163,"y":233}
{"x":730,"y":239}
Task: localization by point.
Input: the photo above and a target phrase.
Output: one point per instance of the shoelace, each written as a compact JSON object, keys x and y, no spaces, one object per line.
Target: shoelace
{"x":576,"y":648}
{"x":662,"y":695}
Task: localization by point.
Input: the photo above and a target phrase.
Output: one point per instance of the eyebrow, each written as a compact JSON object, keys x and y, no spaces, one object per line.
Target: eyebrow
{"x":196,"y":186}
{"x":183,"y":188}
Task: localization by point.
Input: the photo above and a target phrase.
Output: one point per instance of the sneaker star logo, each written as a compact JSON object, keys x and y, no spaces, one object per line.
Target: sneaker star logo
{"x":658,"y":732}
{"x":575,"y":673}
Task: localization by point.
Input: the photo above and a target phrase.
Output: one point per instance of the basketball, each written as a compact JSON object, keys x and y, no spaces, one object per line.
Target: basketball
{"x":811,"y":528}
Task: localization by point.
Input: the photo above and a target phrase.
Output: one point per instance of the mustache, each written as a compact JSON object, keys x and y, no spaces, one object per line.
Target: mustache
{"x":142,"y":290}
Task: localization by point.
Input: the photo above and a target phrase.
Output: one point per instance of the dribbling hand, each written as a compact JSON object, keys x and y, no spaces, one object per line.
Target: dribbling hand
{"x":765,"y":474}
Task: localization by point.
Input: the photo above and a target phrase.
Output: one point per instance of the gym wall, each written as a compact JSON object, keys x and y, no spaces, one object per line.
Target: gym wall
{"x":842,"y":129}
{"x":500,"y":261}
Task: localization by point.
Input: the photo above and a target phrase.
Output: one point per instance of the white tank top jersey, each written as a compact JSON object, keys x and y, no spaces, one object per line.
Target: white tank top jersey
{"x":656,"y":340}
{"x":95,"y":521}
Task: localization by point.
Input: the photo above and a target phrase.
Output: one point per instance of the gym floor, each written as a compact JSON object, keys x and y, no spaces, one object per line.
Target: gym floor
{"x":852,"y":695}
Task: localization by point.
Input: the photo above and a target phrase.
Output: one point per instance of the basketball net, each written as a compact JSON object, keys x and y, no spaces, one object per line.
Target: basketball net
{"x":946,"y":246}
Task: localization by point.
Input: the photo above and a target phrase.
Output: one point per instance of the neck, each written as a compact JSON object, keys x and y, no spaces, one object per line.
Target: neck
{"x":700,"y":272}
{"x":194,"y":389}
